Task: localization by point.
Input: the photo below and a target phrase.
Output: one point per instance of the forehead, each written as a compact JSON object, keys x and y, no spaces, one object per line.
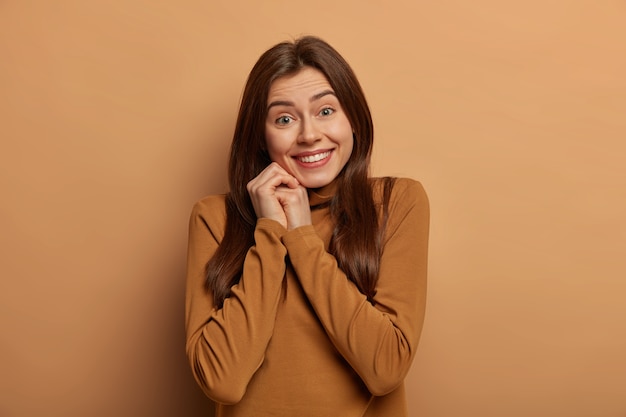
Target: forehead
{"x":306,"y":82}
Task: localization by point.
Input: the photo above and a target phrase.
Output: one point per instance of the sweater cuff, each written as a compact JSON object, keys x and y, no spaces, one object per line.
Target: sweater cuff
{"x":271,"y":226}
{"x":301,"y":234}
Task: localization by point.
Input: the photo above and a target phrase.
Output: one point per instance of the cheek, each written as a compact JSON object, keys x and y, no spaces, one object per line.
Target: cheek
{"x":347,"y":137}
{"x":275,"y":146}
{"x":349,"y":150}
{"x":350,"y":143}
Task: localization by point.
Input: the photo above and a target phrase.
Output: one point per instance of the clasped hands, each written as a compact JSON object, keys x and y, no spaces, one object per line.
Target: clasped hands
{"x":278,"y":195}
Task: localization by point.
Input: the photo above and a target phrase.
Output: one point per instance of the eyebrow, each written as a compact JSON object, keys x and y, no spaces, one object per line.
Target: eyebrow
{"x":311,"y":100}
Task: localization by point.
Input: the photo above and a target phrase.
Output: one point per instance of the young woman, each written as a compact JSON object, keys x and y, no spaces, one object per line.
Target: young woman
{"x":306,"y":282}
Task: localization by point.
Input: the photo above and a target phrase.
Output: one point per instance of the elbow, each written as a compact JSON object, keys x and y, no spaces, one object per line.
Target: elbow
{"x":218,"y":386}
{"x":223,"y":394}
{"x":388,"y":371}
{"x":380,"y":386}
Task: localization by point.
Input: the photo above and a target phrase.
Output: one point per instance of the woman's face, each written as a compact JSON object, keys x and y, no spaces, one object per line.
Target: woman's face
{"x":306,"y":131}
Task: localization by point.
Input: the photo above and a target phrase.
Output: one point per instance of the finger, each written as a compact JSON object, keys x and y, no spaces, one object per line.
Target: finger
{"x":295,"y":203}
{"x":273,"y":176}
{"x":270,"y":184}
{"x":297,"y":195}
{"x":287,"y":179}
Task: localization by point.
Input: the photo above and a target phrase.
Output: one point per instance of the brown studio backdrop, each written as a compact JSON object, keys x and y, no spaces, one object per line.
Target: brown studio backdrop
{"x":116,"y":116}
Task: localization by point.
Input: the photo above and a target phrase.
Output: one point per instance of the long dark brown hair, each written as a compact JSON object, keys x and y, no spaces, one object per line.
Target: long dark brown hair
{"x":356,"y":248}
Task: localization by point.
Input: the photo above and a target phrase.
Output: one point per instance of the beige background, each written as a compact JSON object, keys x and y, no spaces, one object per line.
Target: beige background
{"x":115,"y":116}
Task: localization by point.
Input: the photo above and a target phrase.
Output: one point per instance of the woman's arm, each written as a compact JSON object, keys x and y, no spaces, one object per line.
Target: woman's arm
{"x":378,"y":341}
{"x":226,"y":346}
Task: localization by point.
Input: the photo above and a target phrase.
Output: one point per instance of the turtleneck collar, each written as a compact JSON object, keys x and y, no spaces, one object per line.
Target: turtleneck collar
{"x":320,"y":197}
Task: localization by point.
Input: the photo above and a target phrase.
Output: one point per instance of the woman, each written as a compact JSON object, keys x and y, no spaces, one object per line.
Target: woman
{"x":306,"y":282}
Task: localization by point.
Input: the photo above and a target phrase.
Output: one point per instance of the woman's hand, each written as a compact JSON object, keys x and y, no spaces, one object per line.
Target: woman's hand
{"x":295,"y":203}
{"x":278,"y":195}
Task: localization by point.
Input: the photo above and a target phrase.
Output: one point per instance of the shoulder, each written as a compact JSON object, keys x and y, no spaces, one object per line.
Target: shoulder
{"x":211,"y":204}
{"x":404,"y":192}
{"x":406,"y":205}
{"x":210,"y":213}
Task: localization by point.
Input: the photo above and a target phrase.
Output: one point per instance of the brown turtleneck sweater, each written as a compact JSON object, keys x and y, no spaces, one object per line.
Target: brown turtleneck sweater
{"x":297,"y":338}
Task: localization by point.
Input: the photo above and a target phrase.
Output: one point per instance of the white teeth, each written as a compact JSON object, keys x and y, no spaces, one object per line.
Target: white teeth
{"x":314,"y":158}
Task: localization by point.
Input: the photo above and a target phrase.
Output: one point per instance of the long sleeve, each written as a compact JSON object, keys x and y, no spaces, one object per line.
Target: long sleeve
{"x":378,"y":341}
{"x":226,"y":346}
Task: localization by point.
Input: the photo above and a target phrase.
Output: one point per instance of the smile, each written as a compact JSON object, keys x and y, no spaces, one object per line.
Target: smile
{"x":313,"y":158}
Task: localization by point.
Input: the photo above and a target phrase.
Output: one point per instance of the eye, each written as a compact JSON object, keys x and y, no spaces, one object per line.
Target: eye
{"x":327,"y":111}
{"x":284,"y":120}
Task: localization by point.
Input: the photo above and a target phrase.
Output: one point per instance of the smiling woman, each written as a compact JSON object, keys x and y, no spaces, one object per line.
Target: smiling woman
{"x":306,"y":131}
{"x":306,"y":282}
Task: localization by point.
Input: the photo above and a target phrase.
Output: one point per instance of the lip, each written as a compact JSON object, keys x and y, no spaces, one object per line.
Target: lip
{"x":316,"y":164}
{"x":309,"y":153}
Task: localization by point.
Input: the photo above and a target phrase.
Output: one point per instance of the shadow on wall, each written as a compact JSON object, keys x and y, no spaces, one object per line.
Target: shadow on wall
{"x":188,"y":399}
{"x":181,"y":396}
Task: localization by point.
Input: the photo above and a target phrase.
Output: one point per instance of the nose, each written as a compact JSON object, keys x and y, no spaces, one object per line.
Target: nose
{"x":309,"y":131}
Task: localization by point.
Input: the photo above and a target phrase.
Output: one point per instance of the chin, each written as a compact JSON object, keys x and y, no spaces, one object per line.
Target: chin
{"x":315,"y":183}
